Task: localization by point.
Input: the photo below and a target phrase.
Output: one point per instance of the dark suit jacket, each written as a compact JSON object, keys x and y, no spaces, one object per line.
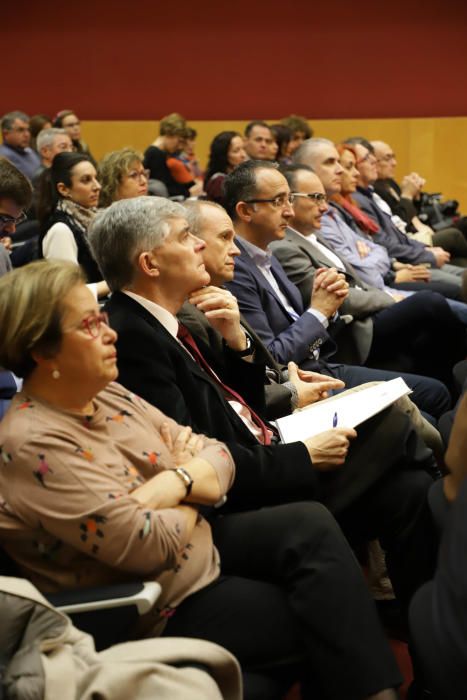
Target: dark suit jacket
{"x":396,"y":243}
{"x":155,"y":366}
{"x":287,"y":339}
{"x":278,"y":397}
{"x":299,"y":258}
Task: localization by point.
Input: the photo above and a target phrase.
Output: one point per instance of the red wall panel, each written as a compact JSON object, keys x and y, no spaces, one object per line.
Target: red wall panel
{"x":124,"y":60}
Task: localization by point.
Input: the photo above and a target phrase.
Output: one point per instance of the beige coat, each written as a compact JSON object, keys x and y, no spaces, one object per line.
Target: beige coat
{"x":47,"y":658}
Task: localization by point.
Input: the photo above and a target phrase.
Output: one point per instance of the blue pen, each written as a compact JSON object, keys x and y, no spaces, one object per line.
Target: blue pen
{"x":334,"y":420}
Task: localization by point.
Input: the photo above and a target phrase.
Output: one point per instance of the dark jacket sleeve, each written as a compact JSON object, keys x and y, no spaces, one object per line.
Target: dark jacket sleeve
{"x":396,"y":243}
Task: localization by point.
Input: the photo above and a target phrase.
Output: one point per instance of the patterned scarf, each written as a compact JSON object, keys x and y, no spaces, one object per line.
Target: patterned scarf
{"x":83,"y":216}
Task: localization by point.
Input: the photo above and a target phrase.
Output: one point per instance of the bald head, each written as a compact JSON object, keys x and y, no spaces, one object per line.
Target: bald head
{"x":322,"y":157}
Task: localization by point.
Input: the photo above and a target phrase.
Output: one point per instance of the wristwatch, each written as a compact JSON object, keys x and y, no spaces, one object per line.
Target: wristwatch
{"x":249,"y":347}
{"x":184,"y":476}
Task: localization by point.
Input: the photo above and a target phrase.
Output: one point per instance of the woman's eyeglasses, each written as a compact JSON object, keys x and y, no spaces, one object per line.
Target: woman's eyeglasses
{"x":91,"y":325}
{"x":139,"y":174}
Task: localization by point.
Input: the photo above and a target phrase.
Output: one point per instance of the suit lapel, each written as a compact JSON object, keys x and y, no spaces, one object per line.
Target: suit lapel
{"x":281,"y":279}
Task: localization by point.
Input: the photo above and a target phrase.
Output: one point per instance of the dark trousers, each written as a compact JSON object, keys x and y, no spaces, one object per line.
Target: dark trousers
{"x":424,"y":328}
{"x":292,"y":590}
{"x":430,"y":395}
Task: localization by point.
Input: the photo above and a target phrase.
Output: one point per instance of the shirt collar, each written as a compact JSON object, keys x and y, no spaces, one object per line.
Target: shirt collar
{"x":309,"y":237}
{"x":261,"y":258}
{"x":165,"y":318}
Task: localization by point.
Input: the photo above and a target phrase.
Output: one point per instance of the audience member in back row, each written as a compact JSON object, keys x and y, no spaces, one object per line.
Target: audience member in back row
{"x":67,"y":119}
{"x":300,"y":129}
{"x":397,"y":243}
{"x":225,"y":153}
{"x":49,"y":143}
{"x":172,"y":131}
{"x":122,"y":176}
{"x":16,"y":139}
{"x":15,"y":198}
{"x":67,"y":203}
{"x":282,"y":136}
{"x":259,"y":142}
{"x":404,"y":202}
{"x":98,"y":487}
{"x":36,"y":124}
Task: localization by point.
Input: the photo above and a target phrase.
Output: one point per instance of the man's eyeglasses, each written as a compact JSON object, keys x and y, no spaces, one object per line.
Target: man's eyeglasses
{"x":317,"y":197}
{"x":368,"y":158}
{"x":6,"y":220}
{"x":279,"y":202}
{"x":91,"y":325}
{"x":139,"y":174}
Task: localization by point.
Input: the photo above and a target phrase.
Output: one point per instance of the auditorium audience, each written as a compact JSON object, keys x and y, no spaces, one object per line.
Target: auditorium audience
{"x":260,"y":203}
{"x":286,"y":387}
{"x":122,"y":175}
{"x":16,"y":139}
{"x":67,"y":119}
{"x":259,"y":142}
{"x":397,"y":243}
{"x":67,"y":204}
{"x":225,"y":153}
{"x":99,"y":487}
{"x":343,"y":232}
{"x":228,"y":401}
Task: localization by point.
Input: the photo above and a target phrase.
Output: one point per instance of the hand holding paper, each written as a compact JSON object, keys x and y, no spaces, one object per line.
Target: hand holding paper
{"x":328,"y":450}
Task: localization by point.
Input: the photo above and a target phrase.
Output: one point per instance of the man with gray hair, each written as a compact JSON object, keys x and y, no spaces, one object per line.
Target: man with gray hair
{"x":16,"y":138}
{"x":51,"y":141}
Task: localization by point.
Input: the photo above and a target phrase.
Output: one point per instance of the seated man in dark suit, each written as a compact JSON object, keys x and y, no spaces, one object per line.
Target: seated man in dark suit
{"x":153,"y":263}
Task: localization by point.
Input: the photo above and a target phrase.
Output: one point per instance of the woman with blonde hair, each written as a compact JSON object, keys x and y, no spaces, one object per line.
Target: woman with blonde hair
{"x":122,"y":176}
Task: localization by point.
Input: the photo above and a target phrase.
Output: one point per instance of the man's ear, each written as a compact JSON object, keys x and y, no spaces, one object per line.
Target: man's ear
{"x":147,"y":263}
{"x":244,"y":211}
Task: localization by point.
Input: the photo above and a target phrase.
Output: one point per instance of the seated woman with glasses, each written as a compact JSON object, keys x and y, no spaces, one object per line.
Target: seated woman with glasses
{"x":226,"y":152}
{"x":122,"y":176}
{"x":97,"y":487}
{"x":67,"y":204}
{"x":67,"y":119}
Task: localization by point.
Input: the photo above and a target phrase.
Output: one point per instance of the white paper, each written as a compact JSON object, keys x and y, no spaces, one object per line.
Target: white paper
{"x":342,"y":412}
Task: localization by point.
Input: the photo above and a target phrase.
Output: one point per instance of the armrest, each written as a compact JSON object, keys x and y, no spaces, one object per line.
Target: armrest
{"x":141,"y":595}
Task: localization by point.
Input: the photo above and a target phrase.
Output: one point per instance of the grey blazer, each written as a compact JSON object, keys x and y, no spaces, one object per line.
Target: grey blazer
{"x":300,"y":257}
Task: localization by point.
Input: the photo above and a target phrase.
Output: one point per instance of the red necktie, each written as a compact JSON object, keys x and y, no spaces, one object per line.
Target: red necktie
{"x":187,"y":339}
